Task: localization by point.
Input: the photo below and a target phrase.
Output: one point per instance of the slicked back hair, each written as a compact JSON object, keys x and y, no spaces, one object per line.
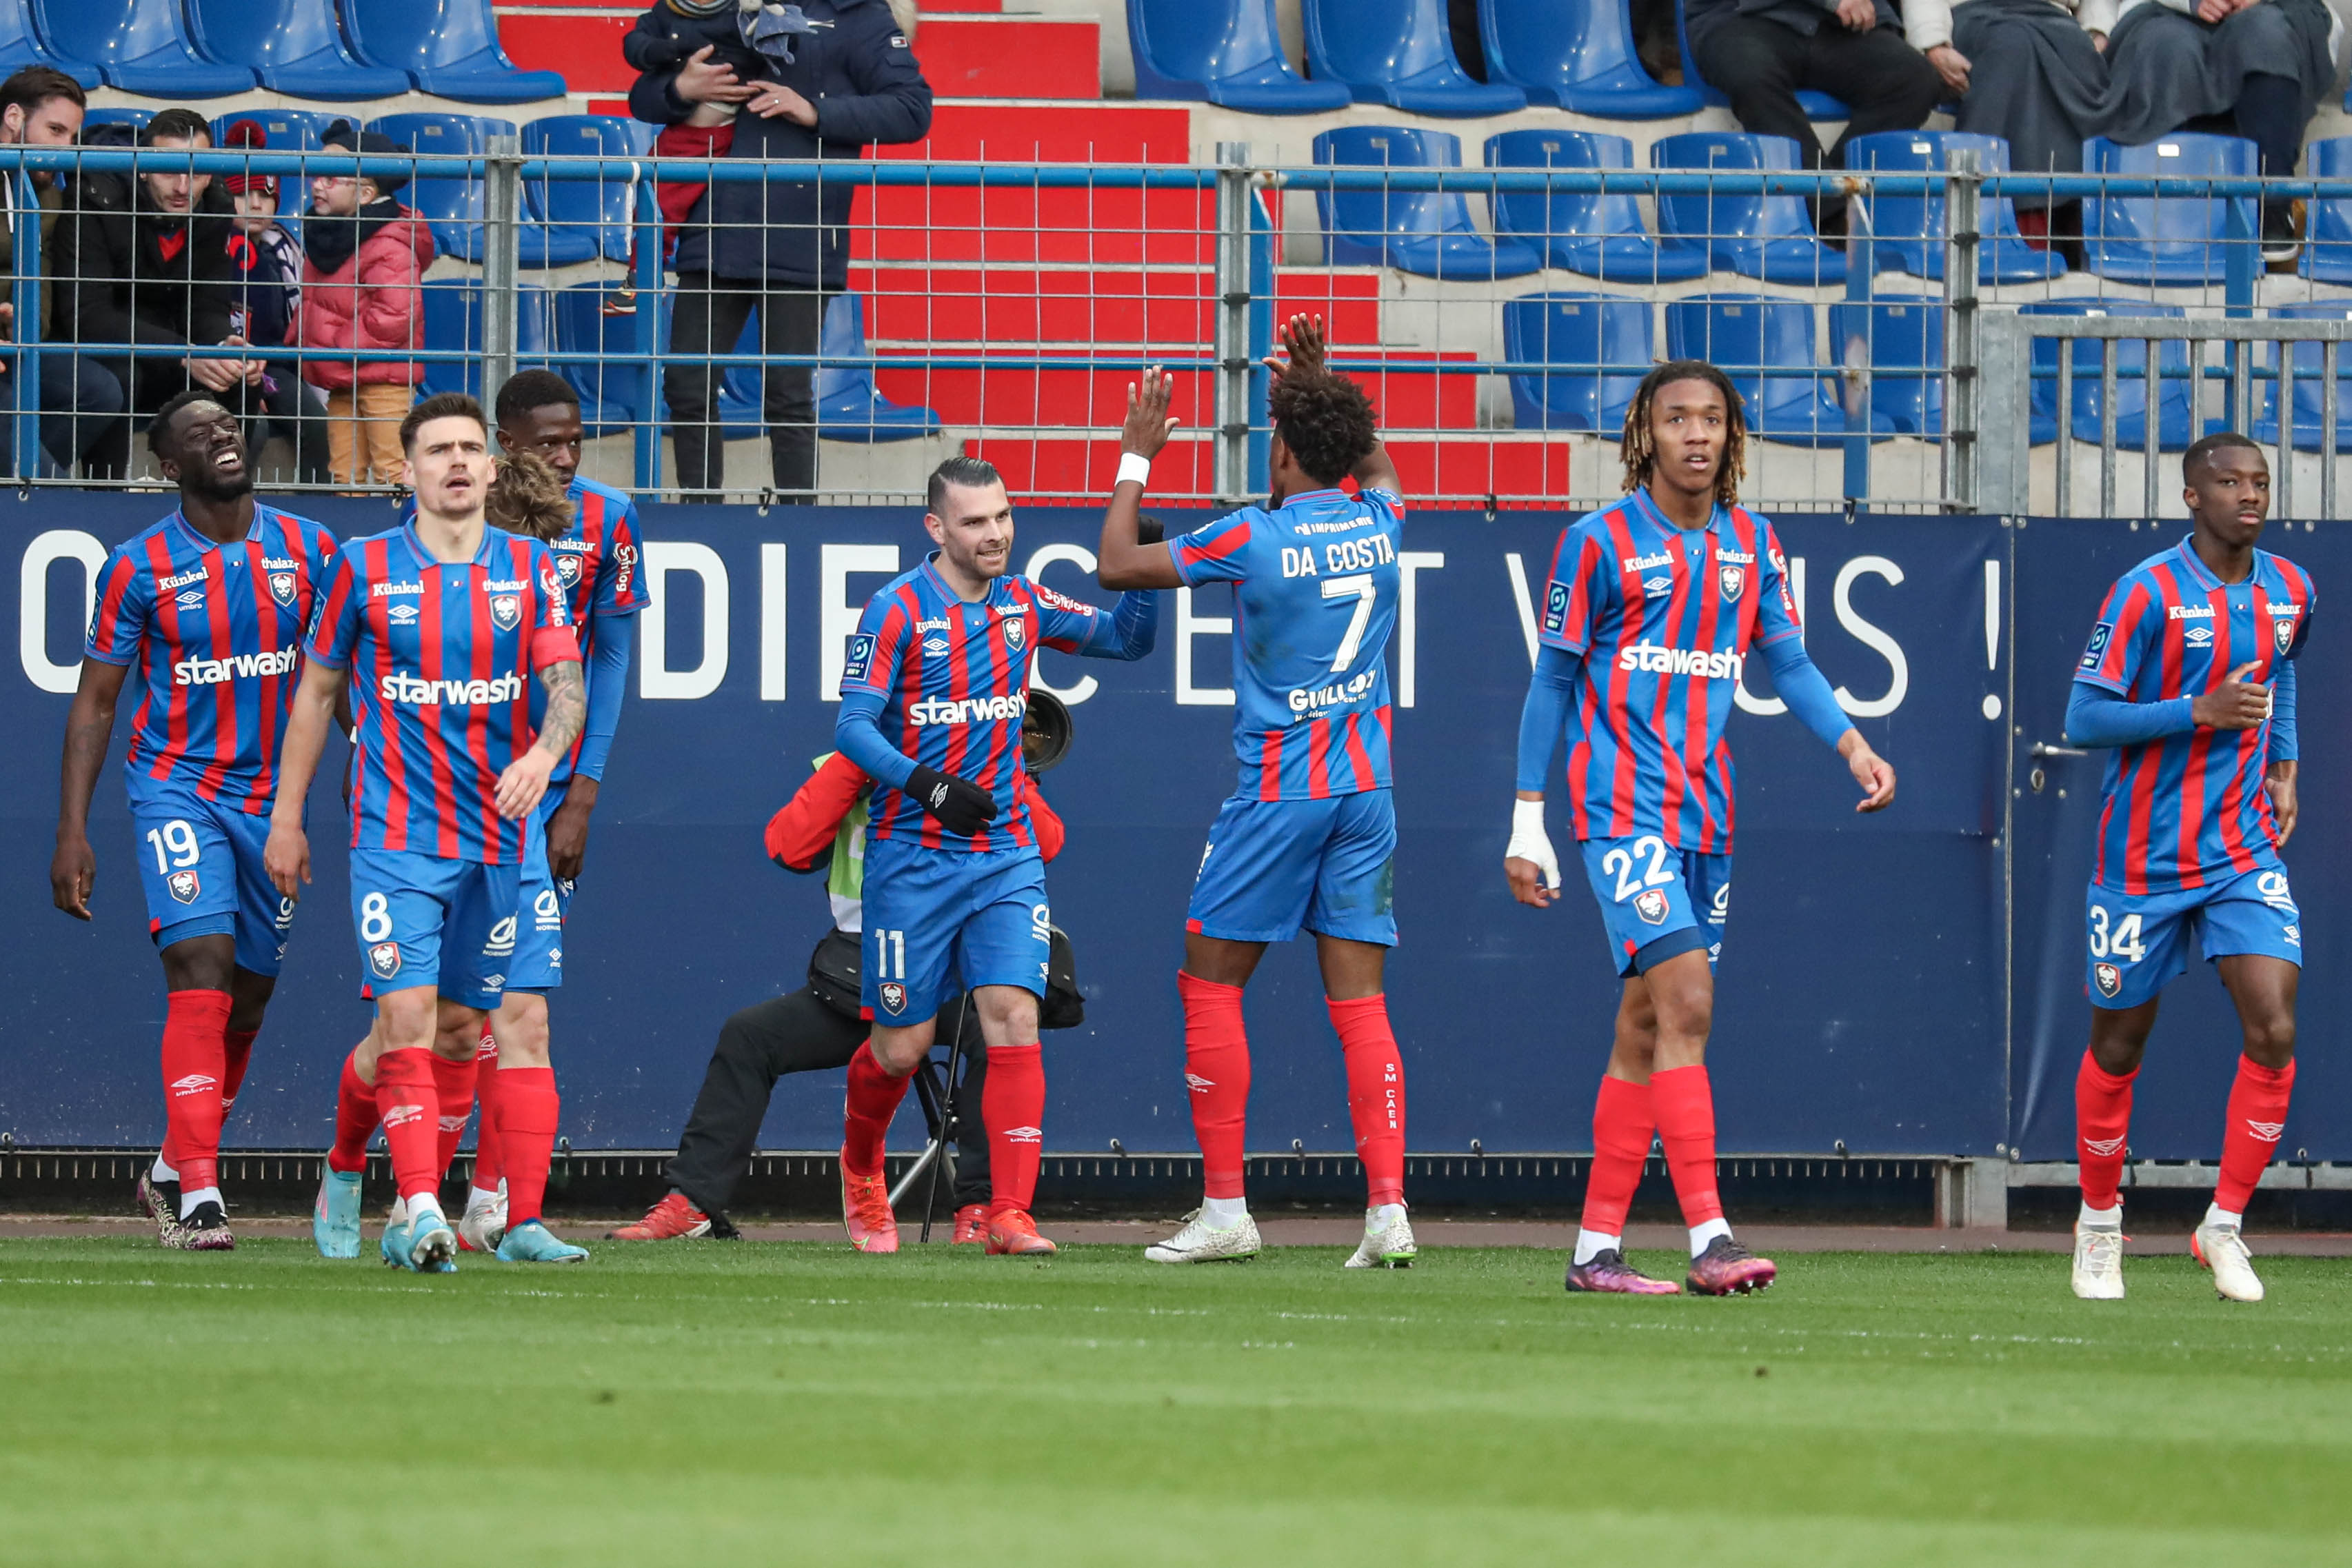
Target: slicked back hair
{"x":973,"y":473}
{"x":2204,"y":447}
{"x":440,"y":405}
{"x":1639,"y":448}
{"x":529,"y":389}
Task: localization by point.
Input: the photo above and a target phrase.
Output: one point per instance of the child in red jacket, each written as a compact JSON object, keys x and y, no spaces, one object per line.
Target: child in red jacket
{"x":364,"y":262}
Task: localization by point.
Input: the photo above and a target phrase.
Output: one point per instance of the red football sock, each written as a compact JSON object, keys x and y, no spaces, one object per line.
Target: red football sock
{"x":194,"y":1024}
{"x":237,"y":1054}
{"x":489,"y":1164}
{"x":1217,"y":1071}
{"x":1684,"y":1104}
{"x":355,"y":1120}
{"x":2102,"y":1128}
{"x":453,"y":1083}
{"x":1375,"y":1094}
{"x":866,"y":1112}
{"x":1013,"y":1103}
{"x":2258,"y":1103}
{"x":529,"y":1112}
{"x":1623,"y":1122}
{"x":404,"y":1093}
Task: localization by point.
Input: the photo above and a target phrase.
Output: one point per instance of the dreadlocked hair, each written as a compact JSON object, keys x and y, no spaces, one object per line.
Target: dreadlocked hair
{"x":1639,"y":447}
{"x":1326,"y":421}
{"x":529,"y":497}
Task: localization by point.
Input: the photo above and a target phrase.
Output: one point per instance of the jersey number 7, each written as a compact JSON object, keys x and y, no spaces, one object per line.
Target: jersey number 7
{"x":1359,"y":588}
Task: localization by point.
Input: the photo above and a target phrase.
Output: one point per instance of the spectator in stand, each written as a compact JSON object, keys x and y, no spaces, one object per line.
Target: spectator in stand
{"x":2255,"y":68}
{"x":1759,"y":53}
{"x":41,"y":107}
{"x":2033,"y":72}
{"x":362,"y":289}
{"x":268,"y":267}
{"x":666,"y":37}
{"x":144,"y":260}
{"x":838,"y":74}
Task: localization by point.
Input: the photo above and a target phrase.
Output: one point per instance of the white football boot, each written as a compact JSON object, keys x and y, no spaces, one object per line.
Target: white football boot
{"x":484,"y":1224}
{"x":1201,"y":1242}
{"x":1388,"y":1240}
{"x":2222,"y":1249}
{"x":2099,"y":1262}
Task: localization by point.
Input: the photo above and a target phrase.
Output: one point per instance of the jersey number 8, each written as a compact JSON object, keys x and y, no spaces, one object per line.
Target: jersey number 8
{"x":375,"y":918}
{"x":2123,"y":943}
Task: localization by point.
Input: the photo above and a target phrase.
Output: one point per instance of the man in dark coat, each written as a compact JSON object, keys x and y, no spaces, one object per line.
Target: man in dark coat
{"x":841,"y":76}
{"x":143,"y":259}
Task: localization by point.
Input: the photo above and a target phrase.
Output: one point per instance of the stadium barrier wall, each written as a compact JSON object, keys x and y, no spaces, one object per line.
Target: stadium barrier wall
{"x":1909,"y":982}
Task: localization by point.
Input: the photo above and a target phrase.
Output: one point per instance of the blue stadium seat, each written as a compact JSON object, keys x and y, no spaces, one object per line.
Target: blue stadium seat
{"x":21,"y":46}
{"x":1770,"y":237}
{"x":596,"y":209}
{"x":294,"y":45}
{"x":2167,"y":241}
{"x":453,"y":319}
{"x":1578,"y":56}
{"x":454,"y":205}
{"x":1900,"y":337}
{"x":1399,"y":52}
{"x":2174,"y":406}
{"x":2328,"y":228}
{"x":1576,"y":329}
{"x":448,"y":48}
{"x":1227,"y":52}
{"x":1748,"y":332}
{"x":2311,"y":381}
{"x":1427,"y":232}
{"x":611,"y":395}
{"x":1598,"y":235}
{"x":136,"y":119}
{"x":849,"y":409}
{"x":138,"y":45}
{"x":1816,"y":105}
{"x":1909,"y":230}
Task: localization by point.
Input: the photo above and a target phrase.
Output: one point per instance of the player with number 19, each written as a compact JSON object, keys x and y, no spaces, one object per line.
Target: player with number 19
{"x":2189,"y":676}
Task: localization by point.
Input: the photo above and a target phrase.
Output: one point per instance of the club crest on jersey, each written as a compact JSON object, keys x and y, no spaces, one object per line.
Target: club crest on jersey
{"x":383,"y":960}
{"x":1733,"y":580}
{"x":2108,"y":977}
{"x":894,"y":996}
{"x":1016,"y":633}
{"x":567,"y":567}
{"x":506,"y":612}
{"x":2282,"y":634}
{"x":185,"y":885}
{"x":281,"y":588}
{"x":1651,"y":905}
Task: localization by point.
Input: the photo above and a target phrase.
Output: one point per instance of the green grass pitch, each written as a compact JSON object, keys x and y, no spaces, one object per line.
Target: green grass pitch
{"x":715,"y":1404}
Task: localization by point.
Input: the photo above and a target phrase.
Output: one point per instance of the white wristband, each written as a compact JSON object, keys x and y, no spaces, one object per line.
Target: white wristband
{"x":1133,"y":466}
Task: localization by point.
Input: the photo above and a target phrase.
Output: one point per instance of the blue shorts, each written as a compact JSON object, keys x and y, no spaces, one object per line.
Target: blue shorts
{"x":2139,"y":944}
{"x":200,"y":861}
{"x":424,"y":920}
{"x":929,"y":911}
{"x":541,"y":902}
{"x":1274,"y":866}
{"x":1658,"y":902}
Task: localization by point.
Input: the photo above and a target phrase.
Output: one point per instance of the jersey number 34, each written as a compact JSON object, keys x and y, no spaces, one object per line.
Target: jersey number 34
{"x":2123,"y":941}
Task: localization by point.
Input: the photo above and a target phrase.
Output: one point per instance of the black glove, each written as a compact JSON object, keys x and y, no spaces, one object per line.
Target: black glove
{"x":961,"y":807}
{"x":1150,"y":531}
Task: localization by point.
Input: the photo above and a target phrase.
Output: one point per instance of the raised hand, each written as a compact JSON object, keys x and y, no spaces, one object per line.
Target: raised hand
{"x":1302,"y":337}
{"x":2235,"y":704}
{"x":1148,"y":423}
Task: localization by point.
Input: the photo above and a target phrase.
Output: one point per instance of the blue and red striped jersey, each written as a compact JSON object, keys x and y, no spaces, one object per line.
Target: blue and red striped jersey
{"x":1662,"y":618}
{"x":1315,"y":597}
{"x":954,"y":677}
{"x":216,"y":631}
{"x":600,"y":565}
{"x":441,"y":659}
{"x":2191,"y":809}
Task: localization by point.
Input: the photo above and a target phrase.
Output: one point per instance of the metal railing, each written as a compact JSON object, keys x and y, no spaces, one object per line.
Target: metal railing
{"x":1006,"y":306}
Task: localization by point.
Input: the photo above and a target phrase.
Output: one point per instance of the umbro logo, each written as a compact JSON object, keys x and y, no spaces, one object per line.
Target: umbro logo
{"x":1196,"y":1083}
{"x":1658,"y":587}
{"x":1032,"y":1135}
{"x":2266,"y":1132}
{"x":2104,"y":1147}
{"x":401,"y":1115}
{"x":197,"y":1082}
{"x":453,"y":1123}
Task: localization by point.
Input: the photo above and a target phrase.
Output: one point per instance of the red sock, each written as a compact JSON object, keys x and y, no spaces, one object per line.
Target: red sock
{"x":453,"y":1084}
{"x":866,"y":1112}
{"x":194,"y":1024}
{"x":1375,"y":1094}
{"x":1623,"y":1122}
{"x":529,"y":1112}
{"x":1217,"y":1071}
{"x":355,"y":1120}
{"x":236,"y":1052}
{"x":1684,"y":1104}
{"x":404,"y":1093}
{"x":2258,"y":1103}
{"x":1013,"y":1103}
{"x":2102,"y":1127}
{"x":488,"y":1163}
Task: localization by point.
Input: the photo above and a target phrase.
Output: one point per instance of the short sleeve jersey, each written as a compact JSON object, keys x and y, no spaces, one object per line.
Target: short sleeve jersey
{"x":1663,"y":618}
{"x":1315,"y":598}
{"x":955,"y":679}
{"x":215,"y":631}
{"x":441,"y":659}
{"x":601,"y":566}
{"x":2189,"y":809}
